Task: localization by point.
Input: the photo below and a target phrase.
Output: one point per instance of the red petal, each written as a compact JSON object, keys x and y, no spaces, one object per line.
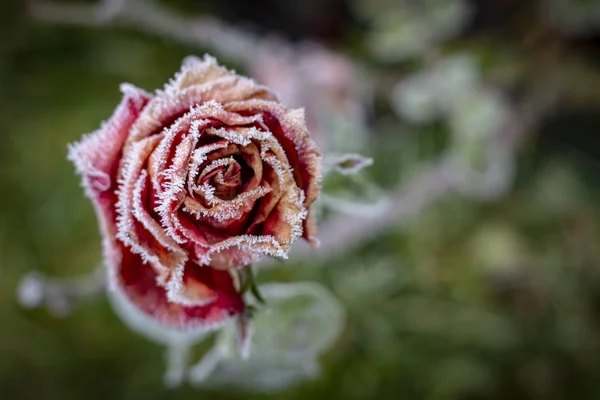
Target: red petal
{"x":97,"y":156}
{"x":138,"y":282}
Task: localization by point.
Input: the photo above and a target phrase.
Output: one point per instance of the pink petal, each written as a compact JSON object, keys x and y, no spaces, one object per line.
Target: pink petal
{"x":97,"y":155}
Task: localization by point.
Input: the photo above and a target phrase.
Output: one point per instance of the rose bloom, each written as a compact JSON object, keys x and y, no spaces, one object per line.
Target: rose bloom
{"x":206,"y":176}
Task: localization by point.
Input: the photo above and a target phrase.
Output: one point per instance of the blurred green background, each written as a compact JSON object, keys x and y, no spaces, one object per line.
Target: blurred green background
{"x":471,"y":298}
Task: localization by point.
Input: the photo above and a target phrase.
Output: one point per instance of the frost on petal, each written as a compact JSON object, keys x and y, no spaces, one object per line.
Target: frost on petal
{"x":226,"y":212}
{"x":197,"y":71}
{"x":284,"y":220}
{"x":289,"y":128}
{"x":97,"y":155}
{"x":307,"y":166}
{"x":243,"y":250}
{"x":198,"y":82}
{"x":172,"y":194}
{"x":203,"y":72}
{"x":136,"y":227}
{"x":212,"y":292}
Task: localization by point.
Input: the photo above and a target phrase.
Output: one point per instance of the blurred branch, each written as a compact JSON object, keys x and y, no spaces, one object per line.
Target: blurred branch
{"x":429,"y":185}
{"x":307,"y":75}
{"x":59,"y":296}
{"x":152,"y":18}
{"x":177,"y":359}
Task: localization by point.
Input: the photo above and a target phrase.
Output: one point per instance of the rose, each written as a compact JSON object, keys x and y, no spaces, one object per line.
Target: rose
{"x":207,"y":175}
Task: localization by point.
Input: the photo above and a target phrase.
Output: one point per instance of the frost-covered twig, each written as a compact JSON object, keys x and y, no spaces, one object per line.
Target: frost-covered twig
{"x":150,"y":17}
{"x":60,"y":296}
{"x":177,"y":360}
{"x":203,"y":368}
{"x":409,"y":199}
{"x":331,"y":87}
{"x":432,"y":183}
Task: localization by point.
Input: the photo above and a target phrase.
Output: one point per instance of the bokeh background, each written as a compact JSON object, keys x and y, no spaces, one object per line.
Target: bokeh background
{"x":467,"y":257}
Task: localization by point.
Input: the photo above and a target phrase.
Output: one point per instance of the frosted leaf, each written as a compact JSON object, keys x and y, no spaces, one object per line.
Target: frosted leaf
{"x":357,"y":207}
{"x":344,"y":130}
{"x":485,"y":161}
{"x":177,"y":341}
{"x":454,"y":78}
{"x":414,"y":100}
{"x":299,"y":322}
{"x":405,"y":30}
{"x":347,"y":164}
{"x":480,"y":115}
{"x":384,"y":275}
{"x":354,"y":195}
{"x":436,"y":91}
{"x":266,"y":375}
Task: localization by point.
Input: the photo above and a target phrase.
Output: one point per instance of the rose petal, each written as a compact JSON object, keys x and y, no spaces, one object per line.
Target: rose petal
{"x":289,"y":128}
{"x":198,"y":82}
{"x":130,"y":276}
{"x":242,"y":250}
{"x":96,"y":156}
{"x":251,"y":156}
{"x":269,"y":201}
{"x":136,"y":227}
{"x":198,"y":158}
{"x":225,"y":212}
